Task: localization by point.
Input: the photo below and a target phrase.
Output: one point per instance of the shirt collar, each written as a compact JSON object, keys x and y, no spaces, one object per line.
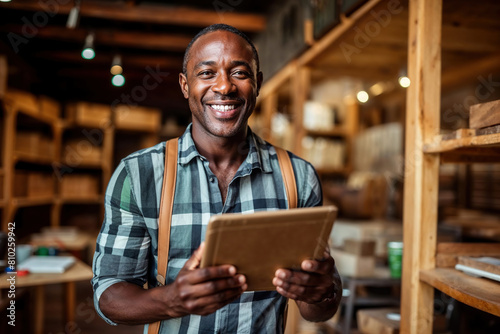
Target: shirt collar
{"x":258,"y":154}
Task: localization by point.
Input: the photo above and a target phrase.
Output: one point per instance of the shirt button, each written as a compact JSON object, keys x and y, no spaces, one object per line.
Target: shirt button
{"x":212,"y":179}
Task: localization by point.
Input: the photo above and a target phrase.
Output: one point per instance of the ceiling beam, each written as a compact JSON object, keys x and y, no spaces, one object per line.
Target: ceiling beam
{"x":137,"y":62}
{"x":182,"y":16}
{"x":143,"y":40}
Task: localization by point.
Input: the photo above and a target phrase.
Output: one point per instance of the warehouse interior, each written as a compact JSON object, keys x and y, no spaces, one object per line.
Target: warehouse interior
{"x":396,"y":103}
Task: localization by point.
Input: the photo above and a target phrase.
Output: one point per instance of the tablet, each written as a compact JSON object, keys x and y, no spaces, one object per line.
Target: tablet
{"x":257,"y":244}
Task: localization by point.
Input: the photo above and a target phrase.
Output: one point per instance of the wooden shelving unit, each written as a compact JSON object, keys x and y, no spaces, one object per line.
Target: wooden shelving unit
{"x":430,"y":23}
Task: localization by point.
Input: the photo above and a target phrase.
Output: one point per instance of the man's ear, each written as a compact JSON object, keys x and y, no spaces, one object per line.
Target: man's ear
{"x":260,"y":77}
{"x":184,"y":85}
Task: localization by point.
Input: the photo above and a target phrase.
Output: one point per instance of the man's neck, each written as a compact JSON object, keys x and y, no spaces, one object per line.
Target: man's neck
{"x":220,"y":151}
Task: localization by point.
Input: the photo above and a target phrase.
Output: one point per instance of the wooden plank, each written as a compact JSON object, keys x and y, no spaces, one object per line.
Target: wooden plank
{"x":143,"y":40}
{"x":156,"y":14}
{"x":448,"y":253}
{"x":484,"y":115}
{"x":421,"y":171}
{"x":300,"y":93}
{"x":479,"y":293}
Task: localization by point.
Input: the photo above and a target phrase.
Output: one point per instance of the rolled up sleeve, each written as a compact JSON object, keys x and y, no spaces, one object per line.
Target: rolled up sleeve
{"x":123,"y":244}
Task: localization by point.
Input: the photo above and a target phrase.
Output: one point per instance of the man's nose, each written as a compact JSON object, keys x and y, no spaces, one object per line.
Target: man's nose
{"x":223,"y":85}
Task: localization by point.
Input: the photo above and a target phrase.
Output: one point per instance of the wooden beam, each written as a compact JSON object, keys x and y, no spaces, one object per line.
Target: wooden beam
{"x":157,"y":14}
{"x":162,"y":62}
{"x":152,"y":41}
{"x":421,"y":170}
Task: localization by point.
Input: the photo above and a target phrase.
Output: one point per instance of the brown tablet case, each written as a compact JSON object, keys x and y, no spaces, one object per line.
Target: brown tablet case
{"x":257,"y":244}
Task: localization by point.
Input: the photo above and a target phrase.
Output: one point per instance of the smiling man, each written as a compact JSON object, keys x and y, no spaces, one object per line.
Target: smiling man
{"x":223,"y":167}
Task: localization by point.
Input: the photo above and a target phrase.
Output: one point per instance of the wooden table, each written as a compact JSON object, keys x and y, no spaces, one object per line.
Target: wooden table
{"x":78,"y":272}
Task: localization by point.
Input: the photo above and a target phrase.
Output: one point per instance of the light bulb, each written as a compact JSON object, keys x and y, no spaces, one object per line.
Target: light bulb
{"x":404,"y":81}
{"x":362,"y":96}
{"x":118,"y":80}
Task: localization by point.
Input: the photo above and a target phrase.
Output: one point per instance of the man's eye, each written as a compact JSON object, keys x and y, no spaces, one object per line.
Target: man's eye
{"x":205,"y":73}
{"x":241,"y":74}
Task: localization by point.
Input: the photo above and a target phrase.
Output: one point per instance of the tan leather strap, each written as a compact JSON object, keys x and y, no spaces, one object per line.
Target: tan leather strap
{"x":164,"y":220}
{"x":291,"y":194}
{"x":288,"y":177}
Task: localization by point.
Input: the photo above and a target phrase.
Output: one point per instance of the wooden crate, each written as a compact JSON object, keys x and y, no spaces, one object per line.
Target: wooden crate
{"x":76,"y":151}
{"x":28,"y":142}
{"x":137,"y":118}
{"x":484,"y":115}
{"x":22,"y":101}
{"x":49,"y":107}
{"x":80,"y":186}
{"x":89,"y":114}
{"x":40,"y":184}
{"x":33,"y":184}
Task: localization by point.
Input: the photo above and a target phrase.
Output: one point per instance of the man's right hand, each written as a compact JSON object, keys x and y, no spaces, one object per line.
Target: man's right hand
{"x":194,"y":291}
{"x":203,"y":291}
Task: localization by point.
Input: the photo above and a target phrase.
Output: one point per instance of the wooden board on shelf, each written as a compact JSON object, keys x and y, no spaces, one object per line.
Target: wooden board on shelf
{"x":49,"y":107}
{"x":488,"y":264}
{"x":3,"y":75}
{"x":484,"y":114}
{"x":480,"y":293}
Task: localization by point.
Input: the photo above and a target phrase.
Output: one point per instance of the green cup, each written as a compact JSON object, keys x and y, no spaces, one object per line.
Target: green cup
{"x":395,"y":255}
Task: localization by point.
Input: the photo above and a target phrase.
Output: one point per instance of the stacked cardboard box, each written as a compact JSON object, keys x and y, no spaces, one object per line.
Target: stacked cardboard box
{"x":79,"y":186}
{"x":33,"y":184}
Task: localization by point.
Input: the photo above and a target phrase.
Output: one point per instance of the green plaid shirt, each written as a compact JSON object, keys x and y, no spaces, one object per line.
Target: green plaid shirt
{"x":127,"y":245}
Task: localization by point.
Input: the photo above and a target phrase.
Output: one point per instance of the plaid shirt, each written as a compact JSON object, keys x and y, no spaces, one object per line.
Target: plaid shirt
{"x":127,"y":245}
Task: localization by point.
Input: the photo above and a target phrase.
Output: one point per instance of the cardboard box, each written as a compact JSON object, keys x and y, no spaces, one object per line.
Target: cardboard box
{"x":23,"y":101}
{"x":378,"y":321}
{"x":137,"y":118}
{"x":380,"y":231}
{"x":80,"y":186}
{"x":89,"y":114}
{"x":49,"y":107}
{"x":353,"y":265}
{"x":359,"y":247}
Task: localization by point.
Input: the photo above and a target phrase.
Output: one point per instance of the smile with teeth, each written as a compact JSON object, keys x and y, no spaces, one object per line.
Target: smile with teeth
{"x":222,"y":107}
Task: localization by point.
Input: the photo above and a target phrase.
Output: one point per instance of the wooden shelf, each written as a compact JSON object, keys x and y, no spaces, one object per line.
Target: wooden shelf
{"x":27,"y":201}
{"x":480,"y":293}
{"x":438,"y":145}
{"x":84,"y":164}
{"x":32,"y":158}
{"x":81,"y":200}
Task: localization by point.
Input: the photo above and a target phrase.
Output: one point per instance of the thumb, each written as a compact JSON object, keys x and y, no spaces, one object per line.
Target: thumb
{"x":195,"y":259}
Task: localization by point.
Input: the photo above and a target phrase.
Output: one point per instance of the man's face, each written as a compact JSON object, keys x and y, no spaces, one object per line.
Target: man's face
{"x":221,"y":84}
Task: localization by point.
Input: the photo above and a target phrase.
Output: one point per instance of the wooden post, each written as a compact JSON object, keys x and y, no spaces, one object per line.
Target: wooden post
{"x":301,"y":85}
{"x":269,"y":108}
{"x":8,"y":162}
{"x":421,"y":170}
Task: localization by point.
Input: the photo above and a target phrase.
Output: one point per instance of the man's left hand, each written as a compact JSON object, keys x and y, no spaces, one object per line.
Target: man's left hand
{"x":318,"y":281}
